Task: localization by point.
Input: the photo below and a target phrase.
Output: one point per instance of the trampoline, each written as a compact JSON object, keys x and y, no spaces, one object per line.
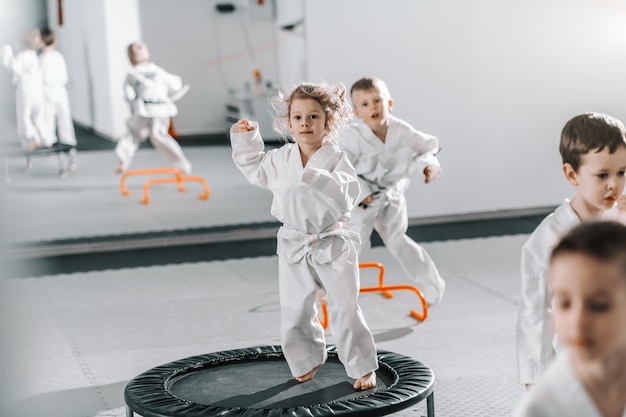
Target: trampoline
{"x":58,"y":149}
{"x":256,"y":382}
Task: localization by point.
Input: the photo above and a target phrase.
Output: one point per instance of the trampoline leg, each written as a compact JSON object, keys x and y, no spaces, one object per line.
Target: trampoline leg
{"x":129,"y":412}
{"x":430,"y":405}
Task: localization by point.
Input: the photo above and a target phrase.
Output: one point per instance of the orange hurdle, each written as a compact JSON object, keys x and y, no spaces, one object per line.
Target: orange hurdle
{"x":386,"y":291}
{"x":179,"y":180}
{"x":151,"y":171}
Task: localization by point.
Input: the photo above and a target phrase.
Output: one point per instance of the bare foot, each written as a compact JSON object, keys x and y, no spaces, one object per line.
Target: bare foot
{"x":309,"y":375}
{"x":367,"y":381}
{"x":121,"y":168}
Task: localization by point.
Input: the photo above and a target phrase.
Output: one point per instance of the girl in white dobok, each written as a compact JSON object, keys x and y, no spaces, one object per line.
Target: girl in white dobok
{"x":314,"y":188}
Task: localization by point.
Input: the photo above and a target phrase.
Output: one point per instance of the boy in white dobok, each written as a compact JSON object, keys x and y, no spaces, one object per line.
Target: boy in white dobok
{"x":151,"y":92}
{"x":386,"y":151}
{"x":587,"y":280}
{"x":593,"y":150}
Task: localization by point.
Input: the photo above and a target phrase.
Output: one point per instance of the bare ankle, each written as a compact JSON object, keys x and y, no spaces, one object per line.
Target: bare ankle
{"x":367,"y":381}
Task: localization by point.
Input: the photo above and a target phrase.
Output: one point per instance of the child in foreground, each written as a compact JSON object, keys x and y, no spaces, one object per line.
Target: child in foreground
{"x":314,"y":188}
{"x":587,"y":277}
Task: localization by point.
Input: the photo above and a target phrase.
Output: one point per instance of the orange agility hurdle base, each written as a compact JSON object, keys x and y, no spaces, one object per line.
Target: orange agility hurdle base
{"x":386,"y":291}
{"x":178,"y":178}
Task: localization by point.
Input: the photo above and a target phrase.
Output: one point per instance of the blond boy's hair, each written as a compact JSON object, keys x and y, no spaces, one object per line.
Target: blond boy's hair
{"x":371,"y":83}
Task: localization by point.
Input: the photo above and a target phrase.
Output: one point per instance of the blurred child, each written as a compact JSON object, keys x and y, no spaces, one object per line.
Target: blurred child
{"x":57,"y":102}
{"x":587,"y":277}
{"x":29,"y":99}
{"x":314,"y":188}
{"x":386,"y":151}
{"x":151,"y":92}
{"x":593,"y":150}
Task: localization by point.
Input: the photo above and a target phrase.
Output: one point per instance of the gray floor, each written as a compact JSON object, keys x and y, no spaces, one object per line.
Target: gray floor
{"x":71,"y":342}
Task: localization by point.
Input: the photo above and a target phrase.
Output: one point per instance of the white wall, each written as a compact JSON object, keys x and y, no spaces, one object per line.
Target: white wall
{"x":210,"y":52}
{"x":495,"y":80}
{"x":93,"y":39}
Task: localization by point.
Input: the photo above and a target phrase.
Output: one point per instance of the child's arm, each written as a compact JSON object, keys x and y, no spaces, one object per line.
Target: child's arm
{"x":425,"y":148}
{"x":534,"y":327}
{"x":349,"y":144}
{"x":617,"y":213}
{"x":249,"y":155}
{"x":7,"y":57}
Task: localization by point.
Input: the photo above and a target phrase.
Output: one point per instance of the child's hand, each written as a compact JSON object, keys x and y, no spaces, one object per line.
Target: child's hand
{"x":243,"y":126}
{"x":616,"y":213}
{"x":621,"y":204}
{"x":431,"y":172}
{"x":367,"y":201}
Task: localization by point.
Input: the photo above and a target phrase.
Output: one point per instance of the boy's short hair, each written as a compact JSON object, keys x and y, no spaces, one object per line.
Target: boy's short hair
{"x":47,"y":36}
{"x":602,"y":240}
{"x":590,"y":132}
{"x":371,"y":83}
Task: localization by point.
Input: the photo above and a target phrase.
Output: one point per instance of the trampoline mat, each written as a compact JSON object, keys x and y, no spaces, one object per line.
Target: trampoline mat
{"x":268,"y":383}
{"x":256,"y":382}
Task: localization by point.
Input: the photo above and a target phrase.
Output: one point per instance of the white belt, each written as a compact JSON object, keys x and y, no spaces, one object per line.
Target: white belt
{"x":309,"y":239}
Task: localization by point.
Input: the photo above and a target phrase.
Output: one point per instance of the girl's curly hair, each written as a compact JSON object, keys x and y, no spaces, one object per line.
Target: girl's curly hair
{"x":332,"y":99}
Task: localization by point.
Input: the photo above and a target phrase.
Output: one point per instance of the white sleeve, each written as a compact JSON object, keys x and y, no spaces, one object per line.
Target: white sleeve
{"x":349,"y":145}
{"x":250,"y":158}
{"x":8,"y":59}
{"x":534,"y":329}
{"x":424,"y":148}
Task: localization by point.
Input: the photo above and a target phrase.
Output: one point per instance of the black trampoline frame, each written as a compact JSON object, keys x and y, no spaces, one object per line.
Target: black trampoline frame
{"x":148,"y":395}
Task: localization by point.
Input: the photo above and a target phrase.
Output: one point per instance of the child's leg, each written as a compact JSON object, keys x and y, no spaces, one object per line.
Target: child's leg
{"x":165,"y":144}
{"x":392,"y":225}
{"x":302,"y":335}
{"x":355,"y":343}
{"x":29,"y":137}
{"x":65,"y":125}
{"x":49,"y":125}
{"x":125,"y":150}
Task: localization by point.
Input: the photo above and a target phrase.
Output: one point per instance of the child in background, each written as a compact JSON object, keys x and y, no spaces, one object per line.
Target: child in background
{"x":314,"y":188}
{"x":587,"y":276}
{"x":57,"y":102}
{"x":151,"y":92}
{"x":593,"y":150}
{"x":386,"y":151}
{"x":29,"y":101}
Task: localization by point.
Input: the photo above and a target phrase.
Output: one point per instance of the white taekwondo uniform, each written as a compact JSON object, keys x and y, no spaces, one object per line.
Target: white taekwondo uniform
{"x":315,"y":250}
{"x":29,"y":100}
{"x":148,"y":89}
{"x":383,"y":170}
{"x":559,"y":393}
{"x":535,"y":334}
{"x":57,"y":102}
